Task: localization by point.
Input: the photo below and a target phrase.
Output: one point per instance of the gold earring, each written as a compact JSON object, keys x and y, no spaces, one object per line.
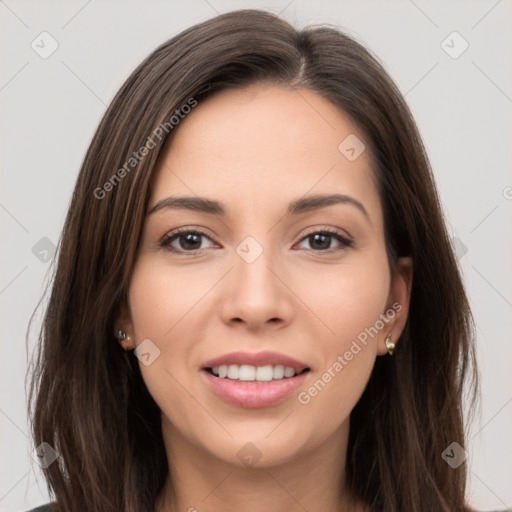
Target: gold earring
{"x":124,"y":339}
{"x":389,"y":344}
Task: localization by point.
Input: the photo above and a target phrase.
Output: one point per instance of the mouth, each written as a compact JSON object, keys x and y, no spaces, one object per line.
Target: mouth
{"x":254,"y":380}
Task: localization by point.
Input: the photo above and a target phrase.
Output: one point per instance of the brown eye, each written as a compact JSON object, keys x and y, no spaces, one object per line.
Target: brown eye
{"x":321,"y":241}
{"x":188,"y":241}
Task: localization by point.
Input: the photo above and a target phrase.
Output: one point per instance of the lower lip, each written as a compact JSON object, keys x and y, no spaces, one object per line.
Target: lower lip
{"x":253,"y":393}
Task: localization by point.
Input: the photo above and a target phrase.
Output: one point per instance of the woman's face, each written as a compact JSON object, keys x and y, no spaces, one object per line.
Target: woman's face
{"x":259,"y":276}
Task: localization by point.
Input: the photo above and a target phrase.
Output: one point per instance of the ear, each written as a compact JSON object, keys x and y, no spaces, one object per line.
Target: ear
{"x":123,"y":322}
{"x":397,"y":308}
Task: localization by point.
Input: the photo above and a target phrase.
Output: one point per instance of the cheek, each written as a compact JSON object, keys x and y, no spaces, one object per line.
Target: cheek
{"x":161,"y":307}
{"x":161,"y":298}
{"x":346,"y":299}
{"x":350,"y":303}
{"x":161,"y":304}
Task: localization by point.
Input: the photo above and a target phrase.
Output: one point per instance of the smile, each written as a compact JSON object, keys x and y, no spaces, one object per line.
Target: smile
{"x":254,"y":379}
{"x":246,"y":372}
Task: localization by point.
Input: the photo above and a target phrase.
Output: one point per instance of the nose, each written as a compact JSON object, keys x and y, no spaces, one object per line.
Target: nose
{"x":256,"y":295}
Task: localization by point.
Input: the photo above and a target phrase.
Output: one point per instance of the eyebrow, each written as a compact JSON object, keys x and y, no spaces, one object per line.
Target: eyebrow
{"x":301,"y":205}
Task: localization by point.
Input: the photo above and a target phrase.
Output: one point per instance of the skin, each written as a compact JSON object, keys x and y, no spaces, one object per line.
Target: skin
{"x":255,"y":150}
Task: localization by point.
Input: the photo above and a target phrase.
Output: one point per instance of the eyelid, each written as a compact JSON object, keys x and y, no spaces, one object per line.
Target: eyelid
{"x":336,"y":231}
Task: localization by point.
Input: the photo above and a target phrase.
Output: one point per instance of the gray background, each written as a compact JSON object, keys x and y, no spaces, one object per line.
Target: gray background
{"x":51,"y":107}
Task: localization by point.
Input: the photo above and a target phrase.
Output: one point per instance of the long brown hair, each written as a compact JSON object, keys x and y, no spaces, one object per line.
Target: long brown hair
{"x":87,"y":398}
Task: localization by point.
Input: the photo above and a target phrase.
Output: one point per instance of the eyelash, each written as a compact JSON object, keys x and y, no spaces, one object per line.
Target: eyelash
{"x":174,"y":235}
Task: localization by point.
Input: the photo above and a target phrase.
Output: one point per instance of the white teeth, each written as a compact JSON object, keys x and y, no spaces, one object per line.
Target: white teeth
{"x":278,"y":371}
{"x":265,"y":373}
{"x":247,"y":372}
{"x":233,"y":371}
{"x":289,"y":372}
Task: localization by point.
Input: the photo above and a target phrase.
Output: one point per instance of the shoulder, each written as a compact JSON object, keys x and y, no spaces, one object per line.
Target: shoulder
{"x":469,"y":509}
{"x":42,"y":508}
{"x":46,"y":508}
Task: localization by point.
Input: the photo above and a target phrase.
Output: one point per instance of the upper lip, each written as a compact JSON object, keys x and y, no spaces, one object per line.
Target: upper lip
{"x":256,"y":359}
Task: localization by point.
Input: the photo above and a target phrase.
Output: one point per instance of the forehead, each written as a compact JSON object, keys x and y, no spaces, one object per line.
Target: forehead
{"x":263,"y":146}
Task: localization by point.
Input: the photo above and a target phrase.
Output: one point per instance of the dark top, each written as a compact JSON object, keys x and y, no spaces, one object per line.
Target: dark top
{"x":46,"y":508}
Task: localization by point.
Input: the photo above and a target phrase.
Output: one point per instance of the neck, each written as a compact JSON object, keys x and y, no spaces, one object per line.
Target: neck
{"x":312,"y":480}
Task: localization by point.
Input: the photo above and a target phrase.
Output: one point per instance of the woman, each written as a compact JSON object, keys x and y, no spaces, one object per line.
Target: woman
{"x":256,"y":304}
